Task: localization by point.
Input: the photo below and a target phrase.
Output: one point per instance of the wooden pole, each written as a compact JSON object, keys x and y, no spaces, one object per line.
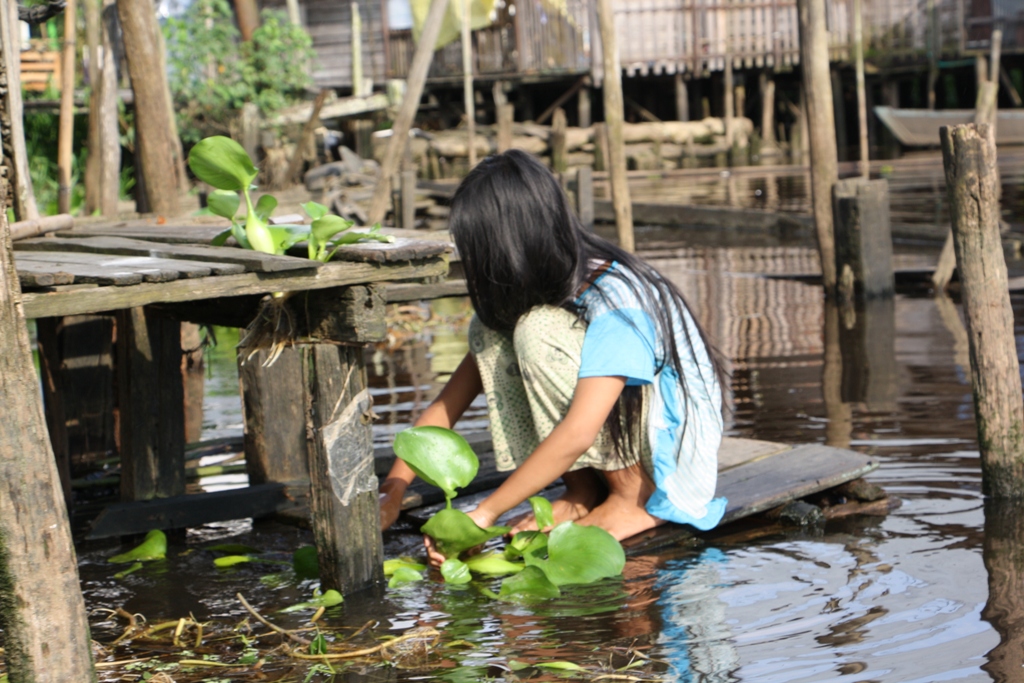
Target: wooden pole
{"x":862,"y":101}
{"x":42,"y":613}
{"x":12,"y":113}
{"x":506,"y":114}
{"x":410,"y":104}
{"x":969,"y":156}
{"x":614,"y":116}
{"x":766,"y":85}
{"x":295,"y":16}
{"x":583,"y":116}
{"x":295,"y":164}
{"x":357,"y":51}
{"x":932,"y":38}
{"x":152,"y":121}
{"x":682,"y":98}
{"x":66,"y":128}
{"x":557,"y":142}
{"x":110,"y":132}
{"x":248,"y":15}
{"x":729,"y":104}
{"x":93,"y":31}
{"x":821,"y":129}
{"x":467,"y":82}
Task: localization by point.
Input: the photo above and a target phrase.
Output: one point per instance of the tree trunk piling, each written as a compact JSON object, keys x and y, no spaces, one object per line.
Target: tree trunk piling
{"x":969,"y":156}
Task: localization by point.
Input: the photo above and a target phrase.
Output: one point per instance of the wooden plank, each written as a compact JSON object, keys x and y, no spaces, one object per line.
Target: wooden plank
{"x":180,"y":512}
{"x":151,"y":269}
{"x":32,"y":275}
{"x":151,"y":400}
{"x":93,"y":300}
{"x":735,"y":452}
{"x":220,"y":259}
{"x":83,"y":273}
{"x":343,"y":488}
{"x":414,"y":291}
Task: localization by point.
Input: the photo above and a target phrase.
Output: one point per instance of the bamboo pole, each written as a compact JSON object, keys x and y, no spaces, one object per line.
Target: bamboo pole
{"x":357,"y":51}
{"x":66,"y":129}
{"x":969,"y":156}
{"x":862,"y":100}
{"x":42,"y":613}
{"x":12,"y":112}
{"x":613,"y":117}
{"x":410,"y":104}
{"x":766,"y":85}
{"x":91,"y":10}
{"x":467,"y":83}
{"x":817,"y":88}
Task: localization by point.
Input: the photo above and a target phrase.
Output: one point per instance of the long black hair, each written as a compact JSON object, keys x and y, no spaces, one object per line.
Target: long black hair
{"x":521,"y":246}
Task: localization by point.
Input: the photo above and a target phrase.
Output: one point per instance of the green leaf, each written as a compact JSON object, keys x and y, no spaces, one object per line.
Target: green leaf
{"x":315,"y":210}
{"x":222,"y":163}
{"x":238,"y":232}
{"x":223,"y":203}
{"x":259,"y":235}
{"x":454,"y":531}
{"x":527,"y":542}
{"x":287,"y":236}
{"x":306,"y":562}
{"x":542,"y":512}
{"x":231,"y":560}
{"x":531,"y":584}
{"x":493,"y":563}
{"x":403,"y":575}
{"x":559,"y":666}
{"x":455,"y":571}
{"x":439,"y":456}
{"x":328,"y":599}
{"x":326,"y":227}
{"x":153,"y":547}
{"x":580,"y":554}
{"x":318,"y":646}
{"x":222,"y":237}
{"x":131,"y":570}
{"x":391,"y":566}
{"x":265,"y":206}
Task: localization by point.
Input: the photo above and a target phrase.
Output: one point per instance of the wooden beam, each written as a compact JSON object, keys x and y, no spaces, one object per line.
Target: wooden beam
{"x":561,"y":99}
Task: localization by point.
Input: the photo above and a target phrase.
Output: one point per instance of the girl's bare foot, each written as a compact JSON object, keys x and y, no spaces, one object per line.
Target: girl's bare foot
{"x":622,"y":514}
{"x":584,"y":490}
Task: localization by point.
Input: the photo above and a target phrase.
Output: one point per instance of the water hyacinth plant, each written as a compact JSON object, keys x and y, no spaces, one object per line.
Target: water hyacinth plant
{"x":538,"y":561}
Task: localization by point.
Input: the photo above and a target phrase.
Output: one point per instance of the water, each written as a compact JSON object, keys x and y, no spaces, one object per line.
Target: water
{"x":931,"y":592}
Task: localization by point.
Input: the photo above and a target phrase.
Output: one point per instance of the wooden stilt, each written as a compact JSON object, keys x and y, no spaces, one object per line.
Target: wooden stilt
{"x":614,"y":116}
{"x":862,"y":107}
{"x":729,"y":101}
{"x":506,"y":113}
{"x":1004,"y":608}
{"x":66,"y":130}
{"x":766,"y":84}
{"x":969,"y":155}
{"x":42,"y":614}
{"x":467,"y":82}
{"x":839,"y":109}
{"x":600,"y":147}
{"x":557,"y":142}
{"x":410,"y":104}
{"x":863,"y":239}
{"x":12,"y":116}
{"x":934,"y":41}
{"x":821,"y":128}
{"x":193,"y":373}
{"x":151,"y":402}
{"x":585,"y":196}
{"x":583,"y":118}
{"x":682,"y":98}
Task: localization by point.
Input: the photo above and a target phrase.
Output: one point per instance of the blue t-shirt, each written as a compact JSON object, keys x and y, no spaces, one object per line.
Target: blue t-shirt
{"x":684,"y":429}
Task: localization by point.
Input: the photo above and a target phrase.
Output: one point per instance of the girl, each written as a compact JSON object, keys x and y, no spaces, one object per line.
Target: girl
{"x":593,"y":368}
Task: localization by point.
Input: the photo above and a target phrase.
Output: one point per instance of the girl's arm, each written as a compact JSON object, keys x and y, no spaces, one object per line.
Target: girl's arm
{"x":592,"y":402}
{"x":456,"y":396}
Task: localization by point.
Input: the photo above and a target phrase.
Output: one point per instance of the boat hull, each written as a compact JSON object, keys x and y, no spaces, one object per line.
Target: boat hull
{"x":920,"y":127}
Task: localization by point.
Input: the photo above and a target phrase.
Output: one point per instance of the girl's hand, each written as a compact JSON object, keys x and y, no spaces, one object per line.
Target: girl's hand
{"x":483,"y":519}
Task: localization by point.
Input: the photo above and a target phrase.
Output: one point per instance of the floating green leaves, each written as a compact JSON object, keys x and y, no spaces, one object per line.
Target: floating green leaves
{"x":579,"y":554}
{"x":131,"y":570}
{"x":533,"y":543}
{"x":403,"y":575}
{"x":153,"y":547}
{"x":232,"y":560}
{"x":306,"y":562}
{"x":542,"y":512}
{"x":439,"y":456}
{"x":329,"y":598}
{"x":528,"y":585}
{"x":391,"y":566}
{"x":454,"y":531}
{"x":493,"y":563}
{"x":455,"y":571}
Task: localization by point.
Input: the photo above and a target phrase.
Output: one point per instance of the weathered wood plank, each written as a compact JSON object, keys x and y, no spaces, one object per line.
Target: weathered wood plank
{"x":414,"y":291}
{"x":151,"y":269}
{"x":82,"y":273}
{"x":180,"y":512}
{"x":74,"y":301}
{"x":33,"y":275}
{"x":343,"y":491}
{"x":222,"y":260}
{"x":151,"y":399}
{"x":735,"y":452}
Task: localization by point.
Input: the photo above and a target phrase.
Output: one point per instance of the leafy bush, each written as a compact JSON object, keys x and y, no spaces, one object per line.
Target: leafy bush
{"x":213,"y":72}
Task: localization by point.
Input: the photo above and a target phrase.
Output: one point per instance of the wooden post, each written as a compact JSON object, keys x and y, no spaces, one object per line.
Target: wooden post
{"x":12,"y":116}
{"x":152,"y":121}
{"x":969,"y":155}
{"x":410,"y":104}
{"x":934,"y":45}
{"x":614,"y":116}
{"x":152,"y":405}
{"x":467,"y":82}
{"x":104,"y":129}
{"x":294,"y":14}
{"x":1004,"y":607}
{"x":557,"y":142}
{"x":247,"y":14}
{"x":343,"y":493}
{"x":194,"y":380}
{"x":821,"y":129}
{"x":275,"y":420}
{"x":766,"y":84}
{"x":600,"y":147}
{"x":862,"y":106}
{"x":863,"y":239}
{"x":66,"y":130}
{"x":408,"y":193}
{"x":868,"y":346}
{"x":585,"y":196}
{"x":357,"y":52}
{"x":839,"y":112}
{"x":295,"y":164}
{"x":729,"y":103}
{"x":583,"y":116}
{"x":93,"y":30}
{"x":839,"y":427}
{"x":506,"y":113}
{"x":42,"y":613}
{"x":682,"y":98}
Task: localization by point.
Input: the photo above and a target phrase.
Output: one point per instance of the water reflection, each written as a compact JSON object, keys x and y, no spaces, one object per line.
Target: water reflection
{"x":1004,"y":560}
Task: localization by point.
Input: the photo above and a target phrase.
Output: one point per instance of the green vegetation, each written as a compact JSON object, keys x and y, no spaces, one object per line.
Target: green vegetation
{"x":153,"y":547}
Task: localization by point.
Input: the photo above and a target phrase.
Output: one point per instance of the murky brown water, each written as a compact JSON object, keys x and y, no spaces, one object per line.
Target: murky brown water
{"x":932,"y":592}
